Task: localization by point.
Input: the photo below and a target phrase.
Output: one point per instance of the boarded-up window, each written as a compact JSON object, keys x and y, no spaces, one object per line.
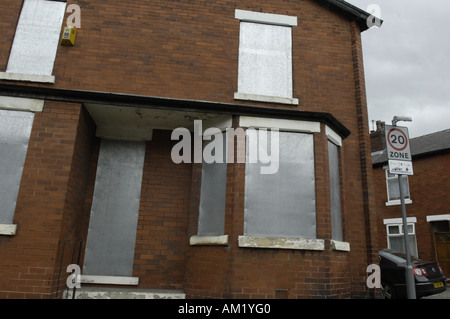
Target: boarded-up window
{"x":115,"y":208}
{"x":265,"y":60}
{"x":335,"y":192}
{"x":281,"y":204}
{"x":213,"y":190}
{"x":15,"y":130}
{"x":37,"y":36}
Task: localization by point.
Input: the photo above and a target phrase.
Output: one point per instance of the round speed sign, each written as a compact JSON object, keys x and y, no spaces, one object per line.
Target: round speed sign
{"x":397,"y":139}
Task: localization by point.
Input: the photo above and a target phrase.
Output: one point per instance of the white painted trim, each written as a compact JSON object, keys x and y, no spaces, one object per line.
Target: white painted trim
{"x":27,"y":77}
{"x":8,"y":229}
{"x":399,"y":220}
{"x":397,"y":202}
{"x":281,"y":243}
{"x":267,"y":18}
{"x":198,"y":240}
{"x":339,"y":245}
{"x":332,"y":136}
{"x":125,"y":133}
{"x":109,"y":280}
{"x":281,"y":124}
{"x":265,"y":98}
{"x":438,"y":218}
{"x":21,"y":104}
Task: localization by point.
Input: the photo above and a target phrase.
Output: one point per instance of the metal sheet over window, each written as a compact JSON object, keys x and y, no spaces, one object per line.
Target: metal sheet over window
{"x":15,"y":130}
{"x":281,"y":204}
{"x":37,"y":36}
{"x":265,"y":60}
{"x":213,"y":190}
{"x":335,"y":192}
{"x":115,"y":208}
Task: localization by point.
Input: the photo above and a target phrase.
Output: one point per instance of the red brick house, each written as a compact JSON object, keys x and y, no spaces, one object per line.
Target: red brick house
{"x":87,"y":142}
{"x":427,"y":197}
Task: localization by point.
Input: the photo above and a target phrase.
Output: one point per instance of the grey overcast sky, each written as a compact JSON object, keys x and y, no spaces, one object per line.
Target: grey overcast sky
{"x":407,"y":63}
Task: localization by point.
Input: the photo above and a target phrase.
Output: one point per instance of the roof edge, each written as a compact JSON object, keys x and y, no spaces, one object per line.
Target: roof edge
{"x":352,"y":12}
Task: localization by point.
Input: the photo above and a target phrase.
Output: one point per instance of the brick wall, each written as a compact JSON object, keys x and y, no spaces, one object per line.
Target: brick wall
{"x":48,"y":202}
{"x":189,"y":49}
{"x":429,"y":194}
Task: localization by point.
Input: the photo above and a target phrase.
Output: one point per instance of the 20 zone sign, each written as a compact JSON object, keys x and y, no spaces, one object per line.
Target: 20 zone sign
{"x":397,"y":139}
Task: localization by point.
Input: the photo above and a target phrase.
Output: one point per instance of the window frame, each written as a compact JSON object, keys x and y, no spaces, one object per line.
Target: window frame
{"x":391,"y":202}
{"x":274,"y":20}
{"x":396,"y":222}
{"x":11,"y":73}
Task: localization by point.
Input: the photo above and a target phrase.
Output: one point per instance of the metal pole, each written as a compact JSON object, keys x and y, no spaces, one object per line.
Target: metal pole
{"x":410,"y":284}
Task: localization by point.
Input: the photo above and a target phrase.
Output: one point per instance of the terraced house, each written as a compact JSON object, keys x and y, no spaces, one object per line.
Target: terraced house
{"x":96,"y":125}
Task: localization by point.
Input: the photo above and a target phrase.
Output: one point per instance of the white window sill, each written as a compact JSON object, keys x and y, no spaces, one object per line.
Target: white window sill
{"x":8,"y":229}
{"x":109,"y":280}
{"x":339,"y":245}
{"x":209,"y":240}
{"x":397,"y":202}
{"x":265,"y":98}
{"x":27,"y":77}
{"x":281,"y":243}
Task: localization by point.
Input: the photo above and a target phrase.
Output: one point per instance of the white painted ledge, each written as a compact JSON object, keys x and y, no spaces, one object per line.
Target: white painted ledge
{"x":339,"y":245}
{"x":209,"y":240}
{"x":109,"y":280}
{"x":8,"y":229}
{"x":267,"y":18}
{"x":281,"y":243}
{"x":27,"y":77}
{"x":21,"y":104}
{"x":265,"y":98}
{"x":280,"y":124}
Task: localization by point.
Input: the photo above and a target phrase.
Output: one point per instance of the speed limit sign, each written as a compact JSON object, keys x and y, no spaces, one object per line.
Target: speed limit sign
{"x":398,"y":150}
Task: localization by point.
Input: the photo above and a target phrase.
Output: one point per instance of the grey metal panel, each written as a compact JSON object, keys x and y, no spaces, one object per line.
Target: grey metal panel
{"x":37,"y":36}
{"x":15,"y":130}
{"x":212,"y":198}
{"x":115,"y":208}
{"x":282,"y":204}
{"x":265,"y":60}
{"x":335,"y":192}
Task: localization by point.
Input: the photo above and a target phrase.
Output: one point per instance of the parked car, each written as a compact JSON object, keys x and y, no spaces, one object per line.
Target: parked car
{"x":428,"y":276}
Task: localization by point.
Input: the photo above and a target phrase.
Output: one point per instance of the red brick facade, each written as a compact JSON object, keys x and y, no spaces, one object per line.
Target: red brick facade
{"x":188,"y":51}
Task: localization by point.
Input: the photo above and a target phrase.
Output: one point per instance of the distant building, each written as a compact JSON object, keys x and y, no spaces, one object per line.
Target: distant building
{"x":427,"y":197}
{"x":88,"y":176}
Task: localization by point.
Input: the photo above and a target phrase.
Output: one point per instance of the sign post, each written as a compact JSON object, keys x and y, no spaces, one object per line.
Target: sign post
{"x":400,"y":163}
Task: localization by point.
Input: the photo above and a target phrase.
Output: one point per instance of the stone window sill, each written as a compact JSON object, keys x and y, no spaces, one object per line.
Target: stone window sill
{"x":281,"y":243}
{"x":27,"y":77}
{"x":109,"y":280}
{"x":339,"y":245}
{"x":209,"y":240}
{"x":398,"y":202}
{"x":265,"y":98}
{"x":8,"y":229}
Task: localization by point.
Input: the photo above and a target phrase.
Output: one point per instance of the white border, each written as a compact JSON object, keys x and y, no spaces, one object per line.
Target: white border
{"x":27,"y":77}
{"x":198,"y":240}
{"x":109,"y":280}
{"x":267,"y":18}
{"x":399,"y":220}
{"x":21,"y":104}
{"x":265,"y":98}
{"x":8,"y":229}
{"x":281,"y":124}
{"x":438,"y":218}
{"x":281,"y":243}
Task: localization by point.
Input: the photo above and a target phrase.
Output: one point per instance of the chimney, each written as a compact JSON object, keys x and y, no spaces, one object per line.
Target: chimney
{"x":377,"y":138}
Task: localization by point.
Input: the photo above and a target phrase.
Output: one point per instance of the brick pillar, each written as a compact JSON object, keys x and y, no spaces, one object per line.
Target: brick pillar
{"x":49,"y":202}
